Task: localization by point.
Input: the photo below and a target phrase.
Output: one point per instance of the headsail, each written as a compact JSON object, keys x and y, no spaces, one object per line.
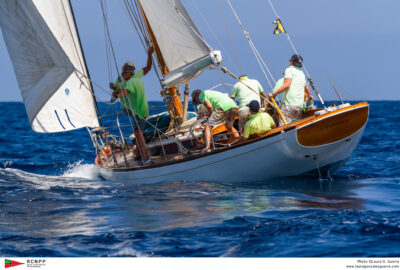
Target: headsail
{"x":184,"y":51}
{"x":45,"y":50}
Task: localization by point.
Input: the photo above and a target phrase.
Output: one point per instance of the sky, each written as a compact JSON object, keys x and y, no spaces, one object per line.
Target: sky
{"x":353,"y":42}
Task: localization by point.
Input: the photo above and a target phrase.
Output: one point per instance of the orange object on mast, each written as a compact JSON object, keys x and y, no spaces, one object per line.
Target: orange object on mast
{"x":173,"y":93}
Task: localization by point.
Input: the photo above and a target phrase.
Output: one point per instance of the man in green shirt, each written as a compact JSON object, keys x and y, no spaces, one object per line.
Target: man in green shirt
{"x":245,"y":91}
{"x":130,"y":90}
{"x":259,"y":122}
{"x":120,"y":83}
{"x":293,"y":88}
{"x":220,"y":108}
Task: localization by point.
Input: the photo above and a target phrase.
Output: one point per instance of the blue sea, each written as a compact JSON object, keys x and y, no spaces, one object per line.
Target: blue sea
{"x":54,"y":203}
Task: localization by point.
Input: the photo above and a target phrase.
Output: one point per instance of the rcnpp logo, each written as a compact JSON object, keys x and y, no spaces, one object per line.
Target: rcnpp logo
{"x":10,"y":263}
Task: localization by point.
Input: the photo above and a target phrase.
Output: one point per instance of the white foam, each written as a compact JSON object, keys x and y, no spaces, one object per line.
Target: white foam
{"x":79,"y":170}
{"x":7,"y":163}
{"x":76,"y":176}
{"x":128,"y":252}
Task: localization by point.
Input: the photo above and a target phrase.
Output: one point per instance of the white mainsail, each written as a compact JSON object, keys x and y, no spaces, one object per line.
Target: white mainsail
{"x":183,"y":49}
{"x":45,"y":50}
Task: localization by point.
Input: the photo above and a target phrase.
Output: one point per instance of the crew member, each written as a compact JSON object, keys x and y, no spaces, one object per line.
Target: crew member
{"x":245,"y":91}
{"x":130,"y":90}
{"x":220,"y":108}
{"x":259,"y":122}
{"x":293,"y":88}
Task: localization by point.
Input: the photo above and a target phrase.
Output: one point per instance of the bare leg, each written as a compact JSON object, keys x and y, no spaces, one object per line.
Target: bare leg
{"x":207,"y":134}
{"x":243,"y":118}
{"x":233,"y":133}
{"x":276,"y":118}
{"x":141,"y":144}
{"x":137,"y":153}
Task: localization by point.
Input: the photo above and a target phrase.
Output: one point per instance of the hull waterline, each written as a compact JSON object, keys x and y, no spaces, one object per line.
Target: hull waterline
{"x":282,"y":154}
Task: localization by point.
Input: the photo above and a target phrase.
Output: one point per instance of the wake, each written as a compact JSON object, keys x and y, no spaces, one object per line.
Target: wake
{"x":84,"y":171}
{"x":76,"y":175}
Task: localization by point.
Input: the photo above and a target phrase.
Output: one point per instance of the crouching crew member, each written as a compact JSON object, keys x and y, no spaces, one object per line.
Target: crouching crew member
{"x":259,"y":122}
{"x":220,"y":108}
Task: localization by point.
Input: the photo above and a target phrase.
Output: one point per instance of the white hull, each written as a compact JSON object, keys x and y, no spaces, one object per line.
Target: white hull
{"x":278,"y":156}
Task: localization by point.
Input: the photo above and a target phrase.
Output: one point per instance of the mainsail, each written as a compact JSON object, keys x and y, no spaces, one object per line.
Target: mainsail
{"x":45,"y":50}
{"x":184,"y":51}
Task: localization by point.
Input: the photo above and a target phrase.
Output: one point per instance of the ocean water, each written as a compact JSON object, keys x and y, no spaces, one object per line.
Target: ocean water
{"x":54,"y":203}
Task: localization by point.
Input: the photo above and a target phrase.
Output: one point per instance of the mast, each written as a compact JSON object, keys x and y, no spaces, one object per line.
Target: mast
{"x":87,"y":70}
{"x":180,"y":48}
{"x":171,"y":95}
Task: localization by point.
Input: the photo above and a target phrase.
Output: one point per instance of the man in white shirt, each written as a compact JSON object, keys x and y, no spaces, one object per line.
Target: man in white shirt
{"x":293,"y":88}
{"x":241,"y":90}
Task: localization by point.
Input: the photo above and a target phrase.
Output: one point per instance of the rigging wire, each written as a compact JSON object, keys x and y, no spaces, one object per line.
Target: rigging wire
{"x":351,"y":96}
{"x":230,"y":37}
{"x":220,"y":44}
{"x":221,"y":84}
{"x":224,"y":83}
{"x":137,"y":21}
{"x":72,"y":37}
{"x":296,"y":52}
{"x":132,"y":17}
{"x":288,"y":37}
{"x":260,"y":61}
{"x":148,"y":41}
{"x":135,"y":18}
{"x":108,"y":56}
{"x":145,"y":38}
{"x":83,"y":65}
{"x":109,"y":36}
{"x":195,"y":31}
{"x":107,"y":39}
{"x":140,"y":20}
{"x":134,"y":118}
{"x":115,"y":60}
{"x":273,"y":104}
{"x":212,"y":32}
{"x":96,"y":84}
{"x":108,"y":64}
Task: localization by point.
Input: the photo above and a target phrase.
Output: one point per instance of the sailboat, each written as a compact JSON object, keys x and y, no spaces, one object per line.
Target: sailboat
{"x":44,"y":46}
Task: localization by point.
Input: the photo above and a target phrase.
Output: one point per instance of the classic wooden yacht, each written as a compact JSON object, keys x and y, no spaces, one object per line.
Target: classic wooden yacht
{"x":49,"y":63}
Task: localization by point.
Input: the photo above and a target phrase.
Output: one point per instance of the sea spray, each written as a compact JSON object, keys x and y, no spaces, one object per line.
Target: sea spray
{"x":80,"y":170}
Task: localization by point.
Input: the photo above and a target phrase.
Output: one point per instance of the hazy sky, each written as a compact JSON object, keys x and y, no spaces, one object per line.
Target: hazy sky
{"x":354,"y":42}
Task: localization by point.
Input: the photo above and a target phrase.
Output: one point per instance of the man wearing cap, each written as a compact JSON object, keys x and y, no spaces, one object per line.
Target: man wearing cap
{"x":245,"y":91}
{"x":121,"y":81}
{"x":130,"y":90}
{"x":220,"y":108}
{"x":259,"y":122}
{"x":293,"y":88}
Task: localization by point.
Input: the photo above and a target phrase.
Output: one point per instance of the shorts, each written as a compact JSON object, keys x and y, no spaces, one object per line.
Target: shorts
{"x":137,"y":122}
{"x":243,"y":118}
{"x":291,"y":114}
{"x":219,"y":116}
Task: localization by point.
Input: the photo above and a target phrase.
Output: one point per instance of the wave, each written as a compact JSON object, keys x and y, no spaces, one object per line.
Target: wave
{"x":309,"y":234}
{"x":77,"y":175}
{"x":80,"y":170}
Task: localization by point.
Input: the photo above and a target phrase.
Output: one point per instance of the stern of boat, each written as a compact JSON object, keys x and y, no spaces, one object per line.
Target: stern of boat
{"x":329,"y":138}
